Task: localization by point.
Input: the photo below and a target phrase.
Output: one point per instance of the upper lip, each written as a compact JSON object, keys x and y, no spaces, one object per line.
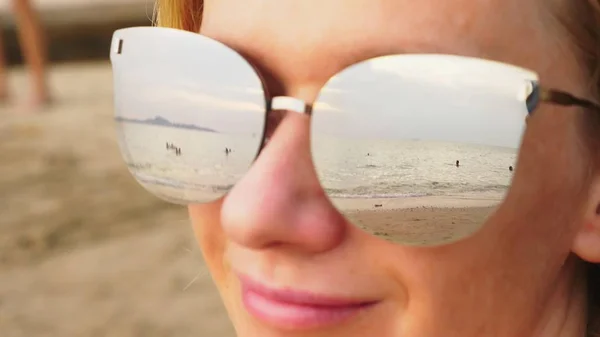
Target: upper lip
{"x":298,"y":297}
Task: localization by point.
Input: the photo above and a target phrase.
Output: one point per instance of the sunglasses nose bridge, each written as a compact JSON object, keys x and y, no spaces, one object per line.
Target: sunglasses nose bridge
{"x":276,"y":109}
{"x":289,"y":103}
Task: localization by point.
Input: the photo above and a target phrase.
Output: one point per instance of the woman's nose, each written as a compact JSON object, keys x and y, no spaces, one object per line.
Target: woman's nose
{"x":280,"y":200}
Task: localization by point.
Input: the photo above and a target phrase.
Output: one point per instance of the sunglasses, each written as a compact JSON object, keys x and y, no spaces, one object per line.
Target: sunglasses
{"x":418,"y":149}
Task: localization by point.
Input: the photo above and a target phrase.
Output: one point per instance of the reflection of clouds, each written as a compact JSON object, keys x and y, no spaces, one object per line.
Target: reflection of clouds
{"x":322,"y":106}
{"x":324,"y":96}
{"x":205,"y":100}
{"x":456,"y":71}
{"x":247,"y":90}
{"x":335,"y":79}
{"x":404,"y":97}
{"x":329,"y":90}
{"x":231,"y":115}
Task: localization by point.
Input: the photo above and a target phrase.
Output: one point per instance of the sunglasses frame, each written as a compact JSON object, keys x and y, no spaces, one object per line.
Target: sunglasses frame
{"x":557,"y":97}
{"x":534,"y":98}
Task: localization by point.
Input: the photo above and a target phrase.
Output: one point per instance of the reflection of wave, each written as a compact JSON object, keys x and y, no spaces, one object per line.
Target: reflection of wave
{"x":383,"y":190}
{"x":152,"y":180}
{"x":139,"y":166}
{"x":465,"y":187}
{"x":148,"y":179}
{"x":488,"y":188}
{"x":379,"y":191}
{"x":337,"y":194}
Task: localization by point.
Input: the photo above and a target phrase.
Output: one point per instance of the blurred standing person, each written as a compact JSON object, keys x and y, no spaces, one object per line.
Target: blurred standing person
{"x":33,"y":49}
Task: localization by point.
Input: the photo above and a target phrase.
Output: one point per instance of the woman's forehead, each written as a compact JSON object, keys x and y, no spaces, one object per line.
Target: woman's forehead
{"x":331,"y":34}
{"x":311,"y":21}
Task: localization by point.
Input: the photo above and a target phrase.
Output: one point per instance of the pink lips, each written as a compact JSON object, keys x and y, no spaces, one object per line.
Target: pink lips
{"x":296,"y":310}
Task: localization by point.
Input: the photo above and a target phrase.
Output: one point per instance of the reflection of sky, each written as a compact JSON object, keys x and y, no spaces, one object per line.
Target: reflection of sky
{"x":420,"y":98}
{"x":188,"y":80}
{"x":452,"y":70}
{"x":193,"y":80}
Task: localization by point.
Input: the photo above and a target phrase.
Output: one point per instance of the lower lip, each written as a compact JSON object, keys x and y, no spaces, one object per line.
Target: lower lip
{"x":297,"y":316}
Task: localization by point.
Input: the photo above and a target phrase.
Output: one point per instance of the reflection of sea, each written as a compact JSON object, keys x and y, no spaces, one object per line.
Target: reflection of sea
{"x":353,"y":169}
{"x":409,"y":168}
{"x":202,"y":165}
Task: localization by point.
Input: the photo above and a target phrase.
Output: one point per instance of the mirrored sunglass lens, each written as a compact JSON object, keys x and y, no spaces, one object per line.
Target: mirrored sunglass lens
{"x":190,"y":112}
{"x":419,"y":150}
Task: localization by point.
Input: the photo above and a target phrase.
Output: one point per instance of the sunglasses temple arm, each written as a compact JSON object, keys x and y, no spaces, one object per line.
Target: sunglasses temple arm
{"x":566,"y":99}
{"x":539,"y":94}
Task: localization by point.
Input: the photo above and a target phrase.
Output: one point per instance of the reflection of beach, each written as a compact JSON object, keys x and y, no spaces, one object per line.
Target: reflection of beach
{"x":202,"y":163}
{"x":420,"y":220}
{"x":449,"y":201}
{"x":425,"y":225}
{"x":182,"y":194}
{"x":353,"y":168}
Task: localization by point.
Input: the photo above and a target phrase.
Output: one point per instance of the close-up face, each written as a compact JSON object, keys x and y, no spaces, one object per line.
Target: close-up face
{"x":286,"y":258}
{"x":277,"y":228}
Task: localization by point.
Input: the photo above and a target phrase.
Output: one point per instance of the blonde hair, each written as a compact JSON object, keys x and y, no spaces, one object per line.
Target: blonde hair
{"x":179,"y":14}
{"x":584,"y":24}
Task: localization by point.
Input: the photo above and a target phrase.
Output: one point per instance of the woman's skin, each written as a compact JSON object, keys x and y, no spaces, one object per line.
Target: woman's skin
{"x":34,"y":54}
{"x":520,"y":275}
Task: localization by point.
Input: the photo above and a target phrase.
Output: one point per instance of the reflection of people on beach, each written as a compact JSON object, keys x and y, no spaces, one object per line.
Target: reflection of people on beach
{"x":457,"y":163}
{"x":170,"y":146}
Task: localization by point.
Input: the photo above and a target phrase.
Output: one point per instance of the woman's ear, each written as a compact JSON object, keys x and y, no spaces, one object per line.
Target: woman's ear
{"x":587,"y":240}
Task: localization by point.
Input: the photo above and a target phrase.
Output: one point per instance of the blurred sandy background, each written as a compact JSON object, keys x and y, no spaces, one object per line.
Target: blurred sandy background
{"x":84,"y":251}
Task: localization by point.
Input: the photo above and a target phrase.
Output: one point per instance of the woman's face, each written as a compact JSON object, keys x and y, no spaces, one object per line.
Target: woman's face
{"x":277,"y":228}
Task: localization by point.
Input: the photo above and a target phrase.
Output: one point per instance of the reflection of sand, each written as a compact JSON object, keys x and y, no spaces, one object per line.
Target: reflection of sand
{"x":180,"y":192}
{"x":420,"y":220}
{"x":421,"y":226}
{"x":184,"y":195}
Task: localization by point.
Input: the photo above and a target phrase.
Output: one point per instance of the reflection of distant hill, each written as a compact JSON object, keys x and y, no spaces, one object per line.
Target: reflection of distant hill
{"x":160,"y":121}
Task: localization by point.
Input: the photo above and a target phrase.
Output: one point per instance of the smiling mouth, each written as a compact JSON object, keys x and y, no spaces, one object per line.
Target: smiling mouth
{"x":290,"y":309}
